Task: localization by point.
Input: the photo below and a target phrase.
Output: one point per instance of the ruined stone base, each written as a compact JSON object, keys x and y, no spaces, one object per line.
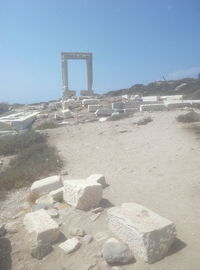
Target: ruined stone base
{"x":147,"y":233}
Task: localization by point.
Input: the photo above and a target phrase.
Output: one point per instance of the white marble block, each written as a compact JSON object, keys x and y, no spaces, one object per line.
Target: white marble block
{"x":147,"y":233}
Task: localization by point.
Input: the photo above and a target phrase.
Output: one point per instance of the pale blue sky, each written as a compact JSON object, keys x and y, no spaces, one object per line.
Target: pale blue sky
{"x":132,"y":41}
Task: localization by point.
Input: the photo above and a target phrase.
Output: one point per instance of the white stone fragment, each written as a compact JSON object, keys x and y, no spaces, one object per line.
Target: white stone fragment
{"x":150,"y":98}
{"x":45,"y":199}
{"x":117,"y":105}
{"x":67,"y":114}
{"x":70,"y":245}
{"x":147,"y":233}
{"x":90,"y":101}
{"x":39,"y":222}
{"x":46,"y":185}
{"x":98,"y":178}
{"x":93,"y":108}
{"x":153,"y":107}
{"x":104,"y":112}
{"x":57,"y":194}
{"x":103,"y":119}
{"x":173,"y":104}
{"x":82,"y":194}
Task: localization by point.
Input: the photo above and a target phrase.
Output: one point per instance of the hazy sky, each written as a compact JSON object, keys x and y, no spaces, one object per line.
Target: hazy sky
{"x":132,"y":41}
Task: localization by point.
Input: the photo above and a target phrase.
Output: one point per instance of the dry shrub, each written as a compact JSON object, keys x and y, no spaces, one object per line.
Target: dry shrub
{"x":189,"y":117}
{"x":47,"y":125}
{"x":35,"y":159}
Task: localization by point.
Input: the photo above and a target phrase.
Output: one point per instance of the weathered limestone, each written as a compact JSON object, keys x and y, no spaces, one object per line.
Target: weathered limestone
{"x":57,"y":194}
{"x":153,"y":107}
{"x":93,"y":108}
{"x":70,"y":245}
{"x":147,"y":233}
{"x":45,"y":199}
{"x":98,"y":178}
{"x":132,"y":104}
{"x":104,"y":112}
{"x":150,"y":98}
{"x":39,"y":222}
{"x":91,"y":101}
{"x":40,"y":250}
{"x":67,"y":114}
{"x":178,"y":104}
{"x":82,"y":194}
{"x":173,"y":97}
{"x":117,"y":105}
{"x":19,"y":121}
{"x":46,"y":185}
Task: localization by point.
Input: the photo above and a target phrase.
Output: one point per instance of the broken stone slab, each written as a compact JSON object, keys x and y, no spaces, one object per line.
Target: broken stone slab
{"x":40,"y":250}
{"x":57,"y":195}
{"x":153,"y":107}
{"x":147,"y":233}
{"x":76,"y":232}
{"x":98,"y":178}
{"x":132,"y":104}
{"x":116,"y":253}
{"x":93,"y":108}
{"x":150,"y":98}
{"x":12,"y":227}
{"x":117,"y":105}
{"x":90,"y":101}
{"x":40,"y":223}
{"x":45,"y":199}
{"x":67,"y":114}
{"x":46,"y":185}
{"x":82,"y":194}
{"x":70,"y":245}
{"x":104,"y":112}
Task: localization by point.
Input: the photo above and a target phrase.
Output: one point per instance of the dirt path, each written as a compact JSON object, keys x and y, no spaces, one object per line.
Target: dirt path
{"x":156,"y":165}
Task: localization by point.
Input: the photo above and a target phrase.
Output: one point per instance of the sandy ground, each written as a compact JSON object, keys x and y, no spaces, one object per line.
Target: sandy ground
{"x":156,"y":165}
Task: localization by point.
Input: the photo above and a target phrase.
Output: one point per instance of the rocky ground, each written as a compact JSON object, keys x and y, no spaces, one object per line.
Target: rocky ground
{"x":156,"y":165}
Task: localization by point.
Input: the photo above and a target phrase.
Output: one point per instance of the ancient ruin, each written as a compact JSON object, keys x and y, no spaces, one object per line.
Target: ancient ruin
{"x":65,"y":56}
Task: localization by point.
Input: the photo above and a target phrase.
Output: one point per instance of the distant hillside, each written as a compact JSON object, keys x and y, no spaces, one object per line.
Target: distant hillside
{"x":187,"y":86}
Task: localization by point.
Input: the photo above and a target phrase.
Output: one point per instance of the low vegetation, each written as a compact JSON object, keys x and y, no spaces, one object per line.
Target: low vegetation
{"x":47,"y":125}
{"x":189,"y":117}
{"x":11,"y":145}
{"x":34,"y":159}
{"x":4,"y":108}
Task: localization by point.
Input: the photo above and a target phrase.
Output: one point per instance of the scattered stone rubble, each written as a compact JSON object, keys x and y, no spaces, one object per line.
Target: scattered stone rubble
{"x":140,"y":230}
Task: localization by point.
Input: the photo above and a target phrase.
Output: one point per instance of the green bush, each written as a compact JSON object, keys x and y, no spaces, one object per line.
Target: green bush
{"x":13,"y":144}
{"x":47,"y":125}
